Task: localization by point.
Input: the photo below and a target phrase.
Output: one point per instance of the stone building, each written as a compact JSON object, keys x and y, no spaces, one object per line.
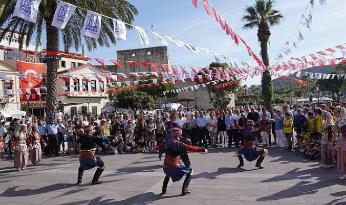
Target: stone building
{"x":158,"y":55}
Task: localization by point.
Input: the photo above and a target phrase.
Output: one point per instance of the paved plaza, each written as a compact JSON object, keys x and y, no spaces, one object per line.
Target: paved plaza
{"x":137,"y":179}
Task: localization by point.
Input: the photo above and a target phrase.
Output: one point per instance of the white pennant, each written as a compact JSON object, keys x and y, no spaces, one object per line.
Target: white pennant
{"x":162,"y":39}
{"x":38,"y":91}
{"x":142,"y":36}
{"x":92,"y":25}
{"x":62,"y":15}
{"x":27,"y":9}
{"x":119,"y":29}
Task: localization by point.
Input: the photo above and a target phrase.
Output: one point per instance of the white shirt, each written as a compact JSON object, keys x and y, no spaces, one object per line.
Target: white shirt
{"x":181,"y":121}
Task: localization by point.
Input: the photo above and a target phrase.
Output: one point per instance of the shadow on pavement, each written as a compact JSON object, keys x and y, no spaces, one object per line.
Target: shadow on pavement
{"x":12,"y":192}
{"x":145,"y":198}
{"x":221,"y":171}
{"x":324,"y":179}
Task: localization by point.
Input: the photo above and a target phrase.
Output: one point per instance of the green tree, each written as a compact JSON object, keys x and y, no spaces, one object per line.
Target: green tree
{"x":71,"y":36}
{"x":133,"y":99}
{"x":157,"y":91}
{"x":262,"y":15}
{"x":331,"y":85}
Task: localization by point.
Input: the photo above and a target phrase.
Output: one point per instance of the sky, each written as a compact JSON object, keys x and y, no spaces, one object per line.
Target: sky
{"x":180,"y":20}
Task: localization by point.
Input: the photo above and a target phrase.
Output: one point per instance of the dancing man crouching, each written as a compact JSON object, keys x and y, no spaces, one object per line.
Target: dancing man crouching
{"x":177,"y":162}
{"x":88,"y":158}
{"x":249,"y":150}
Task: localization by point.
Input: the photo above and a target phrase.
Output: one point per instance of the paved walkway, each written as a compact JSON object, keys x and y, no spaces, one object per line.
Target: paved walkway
{"x":137,"y":179}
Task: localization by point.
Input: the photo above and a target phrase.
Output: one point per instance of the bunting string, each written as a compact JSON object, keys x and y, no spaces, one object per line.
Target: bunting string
{"x":304,"y":23}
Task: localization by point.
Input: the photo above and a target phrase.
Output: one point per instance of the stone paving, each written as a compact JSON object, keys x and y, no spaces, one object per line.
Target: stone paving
{"x":137,"y":179}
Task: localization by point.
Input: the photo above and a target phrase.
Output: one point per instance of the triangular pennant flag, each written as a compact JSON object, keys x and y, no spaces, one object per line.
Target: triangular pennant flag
{"x":101,"y":62}
{"x":142,"y":36}
{"x":162,"y":39}
{"x":63,"y":13}
{"x":117,"y":64}
{"x":195,"y":3}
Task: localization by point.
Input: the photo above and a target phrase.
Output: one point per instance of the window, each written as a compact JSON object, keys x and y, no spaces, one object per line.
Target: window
{"x":8,"y":88}
{"x":80,"y":64}
{"x":93,"y":85}
{"x":63,"y":64}
{"x":67,"y":84}
{"x":94,"y":110}
{"x":76,"y":84}
{"x":73,"y":110}
{"x":102,"y":86}
{"x":84,"y":85}
{"x":84,"y":109}
{"x":73,"y":64}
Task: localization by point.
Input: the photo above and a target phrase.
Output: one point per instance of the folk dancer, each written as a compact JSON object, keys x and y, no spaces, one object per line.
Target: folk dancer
{"x":88,"y":158}
{"x":249,"y":150}
{"x":35,"y":141}
{"x":20,"y":148}
{"x":177,"y":162}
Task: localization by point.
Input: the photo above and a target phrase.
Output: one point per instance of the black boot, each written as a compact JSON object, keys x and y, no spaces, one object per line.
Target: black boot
{"x":259,"y":162}
{"x":80,"y":176}
{"x":164,"y":185}
{"x":241,"y":161}
{"x":185,"y":189}
{"x":97,"y":176}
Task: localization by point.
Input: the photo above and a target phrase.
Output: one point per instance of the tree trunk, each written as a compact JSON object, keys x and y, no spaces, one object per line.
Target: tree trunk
{"x":52,"y":70}
{"x":263,"y":36}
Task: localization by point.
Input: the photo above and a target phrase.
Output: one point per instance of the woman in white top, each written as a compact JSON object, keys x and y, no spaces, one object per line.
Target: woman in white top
{"x":212,"y":128}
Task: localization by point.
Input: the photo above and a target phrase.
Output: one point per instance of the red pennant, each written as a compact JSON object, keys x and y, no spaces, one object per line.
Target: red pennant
{"x":207,"y":7}
{"x":117,"y":64}
{"x":164,"y":68}
{"x":154,"y":67}
{"x":195,"y":3}
{"x":175,"y":69}
{"x":101,"y":62}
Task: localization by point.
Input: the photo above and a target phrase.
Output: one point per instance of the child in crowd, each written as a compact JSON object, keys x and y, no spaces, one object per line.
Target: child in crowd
{"x":288,"y":130}
{"x":264,"y":128}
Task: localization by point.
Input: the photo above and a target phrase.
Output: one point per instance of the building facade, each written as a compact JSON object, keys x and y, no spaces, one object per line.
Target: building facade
{"x":82,"y":89}
{"x":9,"y":82}
{"x":157,"y":55}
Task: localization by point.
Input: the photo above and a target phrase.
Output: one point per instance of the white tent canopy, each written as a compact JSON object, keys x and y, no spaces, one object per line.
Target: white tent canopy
{"x":320,"y":99}
{"x":13,"y":113}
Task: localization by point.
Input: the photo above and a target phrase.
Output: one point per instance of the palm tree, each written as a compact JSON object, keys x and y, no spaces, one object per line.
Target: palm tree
{"x":263,"y":15}
{"x":71,"y":36}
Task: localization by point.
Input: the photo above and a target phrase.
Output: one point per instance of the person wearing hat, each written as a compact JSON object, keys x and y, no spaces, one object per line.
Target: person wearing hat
{"x":177,"y":162}
{"x":88,"y":158}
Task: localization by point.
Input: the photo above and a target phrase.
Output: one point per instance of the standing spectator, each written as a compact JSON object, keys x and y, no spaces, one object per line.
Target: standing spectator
{"x":202,"y":122}
{"x":194,"y":129}
{"x":299,"y":124}
{"x":279,"y":129}
{"x":253,"y":115}
{"x":230,"y":122}
{"x":288,"y":130}
{"x":42,"y":128}
{"x":3,"y":134}
{"x":221,"y":127}
{"x":341,"y":146}
{"x":52,"y":133}
{"x":61,"y":136}
{"x":160,"y":130}
{"x":212,"y":128}
{"x":70,"y":137}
